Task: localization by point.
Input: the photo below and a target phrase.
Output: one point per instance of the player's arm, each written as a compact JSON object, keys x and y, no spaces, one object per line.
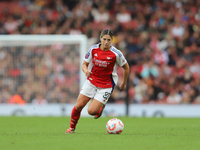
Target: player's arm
{"x":85,"y":68}
{"x":125,"y":77}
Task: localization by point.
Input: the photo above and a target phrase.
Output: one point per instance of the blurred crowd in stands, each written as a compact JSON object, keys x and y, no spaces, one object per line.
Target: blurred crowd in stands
{"x":160,"y":39}
{"x":39,"y":74}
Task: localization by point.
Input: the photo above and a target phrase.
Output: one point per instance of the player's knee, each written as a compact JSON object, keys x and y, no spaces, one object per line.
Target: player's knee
{"x":91,"y":111}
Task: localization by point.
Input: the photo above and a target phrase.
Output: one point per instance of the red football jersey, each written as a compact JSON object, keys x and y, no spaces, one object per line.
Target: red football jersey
{"x":104,"y":65}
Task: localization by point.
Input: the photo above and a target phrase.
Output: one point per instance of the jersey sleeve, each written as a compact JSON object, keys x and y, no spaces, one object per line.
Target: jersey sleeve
{"x":121,"y":60}
{"x":88,"y":55}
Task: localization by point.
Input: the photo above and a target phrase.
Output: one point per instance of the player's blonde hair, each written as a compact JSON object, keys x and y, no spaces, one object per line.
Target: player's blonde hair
{"x":106,"y":32}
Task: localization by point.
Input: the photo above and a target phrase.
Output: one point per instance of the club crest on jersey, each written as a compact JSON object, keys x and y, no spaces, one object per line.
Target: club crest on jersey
{"x":109,"y":58}
{"x":95,"y":54}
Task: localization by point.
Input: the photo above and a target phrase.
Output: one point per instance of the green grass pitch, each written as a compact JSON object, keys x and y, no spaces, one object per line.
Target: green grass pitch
{"x":47,"y":133}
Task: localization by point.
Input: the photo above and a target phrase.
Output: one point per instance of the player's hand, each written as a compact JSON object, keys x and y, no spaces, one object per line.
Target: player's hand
{"x":122,"y":87}
{"x":88,"y":73}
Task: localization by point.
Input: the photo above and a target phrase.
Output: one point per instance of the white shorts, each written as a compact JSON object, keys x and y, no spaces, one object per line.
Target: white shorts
{"x":100,"y":94}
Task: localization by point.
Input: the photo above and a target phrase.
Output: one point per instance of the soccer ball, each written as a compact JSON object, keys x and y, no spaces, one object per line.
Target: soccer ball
{"x":114,"y":126}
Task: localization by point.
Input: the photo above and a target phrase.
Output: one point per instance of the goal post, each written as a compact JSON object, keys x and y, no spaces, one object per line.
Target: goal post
{"x":30,"y":41}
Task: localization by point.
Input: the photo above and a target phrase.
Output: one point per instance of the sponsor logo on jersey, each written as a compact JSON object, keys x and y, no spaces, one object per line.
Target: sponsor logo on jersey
{"x":95,"y":54}
{"x":90,"y":78}
{"x":101,"y":63}
{"x":109,"y":58}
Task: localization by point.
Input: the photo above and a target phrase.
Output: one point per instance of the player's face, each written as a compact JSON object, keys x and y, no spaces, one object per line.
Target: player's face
{"x":106,"y":41}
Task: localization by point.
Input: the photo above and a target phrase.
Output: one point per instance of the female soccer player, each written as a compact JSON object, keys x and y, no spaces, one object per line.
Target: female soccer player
{"x":101,"y":79}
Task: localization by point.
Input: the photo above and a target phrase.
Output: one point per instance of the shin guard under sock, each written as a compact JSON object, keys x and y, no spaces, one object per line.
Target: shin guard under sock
{"x":75,"y":115}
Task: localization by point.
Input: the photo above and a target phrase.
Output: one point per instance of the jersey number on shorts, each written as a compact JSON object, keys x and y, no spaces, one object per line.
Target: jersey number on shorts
{"x":106,"y":95}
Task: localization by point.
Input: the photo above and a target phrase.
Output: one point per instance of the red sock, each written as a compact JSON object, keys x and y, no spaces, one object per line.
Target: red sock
{"x":74,"y":118}
{"x":98,"y":112}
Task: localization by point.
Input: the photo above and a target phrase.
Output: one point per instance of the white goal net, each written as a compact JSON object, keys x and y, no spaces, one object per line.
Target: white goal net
{"x":45,"y":68}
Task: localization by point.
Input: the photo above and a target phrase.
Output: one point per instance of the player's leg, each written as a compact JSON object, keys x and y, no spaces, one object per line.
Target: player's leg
{"x":82,"y":100}
{"x":76,"y":112}
{"x":100,"y":111}
{"x":97,"y":105}
{"x":84,"y":97}
{"x":94,"y":107}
